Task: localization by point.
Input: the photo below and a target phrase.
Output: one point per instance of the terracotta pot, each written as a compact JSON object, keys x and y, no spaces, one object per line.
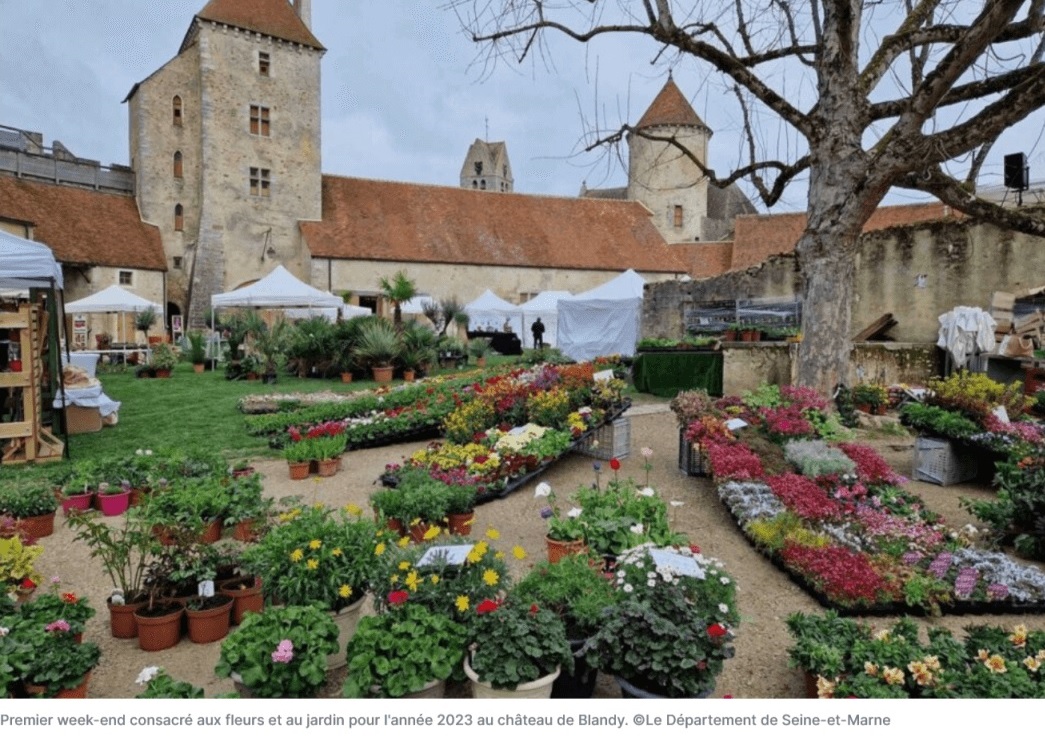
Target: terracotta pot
{"x":246,"y":596}
{"x":730,"y":335}
{"x":346,"y":378}
{"x":460,"y":524}
{"x":382,"y":373}
{"x":163,"y":373}
{"x":211,"y":533}
{"x":558,"y":549}
{"x":540,"y":688}
{"x":207,"y":626}
{"x":121,"y":620}
{"x":417,"y":532}
{"x":198,"y":367}
{"x":328,"y":467}
{"x":164,"y":534}
{"x":79,"y":692}
{"x":80,"y":501}
{"x":114,"y":504}
{"x":134,"y":497}
{"x":298,"y":470}
{"x":37,"y":527}
{"x":243,"y":472}
{"x":480,"y":362}
{"x":409,"y":375}
{"x":161,"y":631}
{"x":245,"y":531}
{"x":396,"y":526}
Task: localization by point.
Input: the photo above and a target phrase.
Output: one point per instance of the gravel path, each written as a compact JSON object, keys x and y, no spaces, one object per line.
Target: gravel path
{"x":765,"y":595}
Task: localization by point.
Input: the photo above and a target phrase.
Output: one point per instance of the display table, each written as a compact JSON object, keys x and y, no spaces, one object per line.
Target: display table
{"x":505,"y":343}
{"x":667,"y":373}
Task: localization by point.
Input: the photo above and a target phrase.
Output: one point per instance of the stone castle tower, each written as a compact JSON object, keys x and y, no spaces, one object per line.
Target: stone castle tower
{"x":225,"y":141}
{"x":486,"y":167}
{"x":662,"y":177}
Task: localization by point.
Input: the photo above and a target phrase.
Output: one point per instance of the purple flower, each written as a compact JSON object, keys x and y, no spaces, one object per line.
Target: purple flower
{"x":911,"y":558}
{"x":997,"y":591}
{"x":966,"y":582}
{"x":546,"y":512}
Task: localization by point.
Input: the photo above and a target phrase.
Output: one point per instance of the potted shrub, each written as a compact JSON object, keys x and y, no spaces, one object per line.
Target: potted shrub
{"x":159,"y":685}
{"x":621,"y":516}
{"x":159,"y":618}
{"x":144,"y":320}
{"x":18,"y":574}
{"x":299,"y":454}
{"x":32,"y":504}
{"x":281,"y":652}
{"x":870,"y":398}
{"x":124,"y":550}
{"x":197,"y":350}
{"x":57,"y":665}
{"x":56,"y":605}
{"x":579,"y":594}
{"x":565,"y":532}
{"x":246,"y":511}
{"x":379,"y":347}
{"x":478,"y":348}
{"x":460,"y":508}
{"x":270,"y":342}
{"x":164,"y":358}
{"x":668,"y":634}
{"x":518,"y":650}
{"x":407,"y":651}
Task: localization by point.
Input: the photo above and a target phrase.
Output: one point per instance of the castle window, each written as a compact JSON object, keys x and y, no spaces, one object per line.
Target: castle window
{"x":263,"y":63}
{"x":177,"y":263}
{"x":179,"y":218}
{"x":176,"y":105}
{"x":678,"y":217}
{"x":177,"y":165}
{"x":475,"y":184}
{"x":259,"y":120}
{"x":260,"y":182}
{"x":478,"y":168}
{"x":126,"y":277}
{"x":482,"y":185}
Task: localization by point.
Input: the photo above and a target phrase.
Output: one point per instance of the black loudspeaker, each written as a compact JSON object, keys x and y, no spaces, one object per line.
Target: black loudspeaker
{"x":1017,"y":174}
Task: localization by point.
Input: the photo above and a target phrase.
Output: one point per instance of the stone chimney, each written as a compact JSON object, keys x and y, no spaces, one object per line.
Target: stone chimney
{"x":304,"y":11}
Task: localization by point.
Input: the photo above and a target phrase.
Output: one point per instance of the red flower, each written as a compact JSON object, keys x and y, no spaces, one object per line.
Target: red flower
{"x":716,"y":631}
{"x":614,"y":464}
{"x":487,"y":605}
{"x":28,"y":583}
{"x":398,"y":598}
{"x":534,"y":609}
{"x":69,"y":598}
{"x":727,"y":697}
{"x":694,"y":548}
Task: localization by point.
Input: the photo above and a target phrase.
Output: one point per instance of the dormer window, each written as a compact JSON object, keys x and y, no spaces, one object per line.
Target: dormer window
{"x":478,"y":168}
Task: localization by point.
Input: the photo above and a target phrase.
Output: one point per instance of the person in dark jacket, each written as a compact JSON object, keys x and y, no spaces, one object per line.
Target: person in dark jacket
{"x":538,"y":333}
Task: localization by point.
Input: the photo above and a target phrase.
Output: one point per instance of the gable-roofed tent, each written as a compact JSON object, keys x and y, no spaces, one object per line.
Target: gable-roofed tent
{"x":543,"y":306}
{"x":27,"y":264}
{"x":115,"y":300}
{"x":278,"y":289}
{"x":603,"y":321}
{"x":491,"y":310}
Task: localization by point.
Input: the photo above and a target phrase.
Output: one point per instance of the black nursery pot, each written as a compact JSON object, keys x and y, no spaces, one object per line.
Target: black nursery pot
{"x":581,"y":683}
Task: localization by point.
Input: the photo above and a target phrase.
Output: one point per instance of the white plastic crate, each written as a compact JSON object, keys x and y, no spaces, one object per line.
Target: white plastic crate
{"x":609,"y":441}
{"x":937,"y":461}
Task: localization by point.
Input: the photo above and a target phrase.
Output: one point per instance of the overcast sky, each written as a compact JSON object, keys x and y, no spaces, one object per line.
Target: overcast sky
{"x":405,"y":92}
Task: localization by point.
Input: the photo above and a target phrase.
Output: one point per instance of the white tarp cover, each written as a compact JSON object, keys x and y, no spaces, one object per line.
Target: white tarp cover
{"x":603,"y":321}
{"x":112,"y":299}
{"x":543,"y":306}
{"x":27,"y":264}
{"x":489,"y":310}
{"x":965,"y":330}
{"x":347,"y":311}
{"x":277,"y":289}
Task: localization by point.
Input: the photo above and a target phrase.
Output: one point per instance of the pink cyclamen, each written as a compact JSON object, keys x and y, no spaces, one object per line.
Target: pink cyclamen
{"x":284,"y":652}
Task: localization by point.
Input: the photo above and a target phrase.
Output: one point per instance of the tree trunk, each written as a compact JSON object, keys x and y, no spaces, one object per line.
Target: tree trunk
{"x":827,"y":278}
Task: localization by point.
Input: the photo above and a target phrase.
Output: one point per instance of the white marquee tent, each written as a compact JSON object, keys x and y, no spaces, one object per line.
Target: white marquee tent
{"x":543,"y":306}
{"x":27,"y":264}
{"x":115,"y":300}
{"x":604,"y":320}
{"x":490,"y":310}
{"x":278,"y":289}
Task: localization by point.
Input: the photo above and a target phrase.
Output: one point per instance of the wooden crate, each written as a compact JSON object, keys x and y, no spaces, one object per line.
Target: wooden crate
{"x":83,"y":419}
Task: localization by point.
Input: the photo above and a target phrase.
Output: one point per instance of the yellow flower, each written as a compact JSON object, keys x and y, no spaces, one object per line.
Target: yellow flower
{"x":394,"y":578}
{"x":982,"y":654}
{"x":493,"y":534}
{"x":415,"y":521}
{"x":882,"y":635}
{"x":519,"y":552}
{"x":379,"y":549}
{"x":432,"y":532}
{"x":482,"y":547}
{"x":296,"y":555}
{"x":336,"y":552}
{"x":412,"y":580}
{"x":353,"y":509}
{"x":404,"y":541}
{"x":932,"y":663}
{"x":499,"y":555}
{"x":824,"y":688}
{"x":435,"y":578}
{"x":491,"y":577}
{"x":462,"y":603}
{"x":870,"y":669}
{"x":312,"y":563}
{"x":1019,"y":636}
{"x":1032,"y":663}
{"x":892,"y":676}
{"x":996,"y":664}
{"x":345,"y":591}
{"x":474,"y":556}
{"x":315,"y":545}
{"x":404,"y":565}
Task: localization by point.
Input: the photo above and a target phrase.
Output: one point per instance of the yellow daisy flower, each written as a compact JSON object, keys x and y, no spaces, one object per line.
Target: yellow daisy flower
{"x":435,"y":578}
{"x":482,"y":547}
{"x":404,"y":541}
{"x":345,"y":591}
{"x":296,"y":555}
{"x":379,"y":549}
{"x":312,"y":563}
{"x":462,"y":603}
{"x":491,"y":577}
{"x":432,"y":532}
{"x":315,"y":545}
{"x":412,"y":580}
{"x":353,"y":509}
{"x":493,"y":534}
{"x":394,"y":578}
{"x":404,"y":565}
{"x":336,"y":552}
{"x":519,"y":552}
{"x":499,"y":555}
{"x":474,"y":556}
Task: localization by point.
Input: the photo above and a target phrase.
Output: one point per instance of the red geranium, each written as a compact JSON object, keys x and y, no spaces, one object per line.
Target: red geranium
{"x":716,"y":631}
{"x":487,"y":605}
{"x":398,"y":598}
{"x":69,"y":598}
{"x":28,"y":583}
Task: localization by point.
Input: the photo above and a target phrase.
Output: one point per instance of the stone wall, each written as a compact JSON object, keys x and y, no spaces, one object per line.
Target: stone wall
{"x":661,"y":177}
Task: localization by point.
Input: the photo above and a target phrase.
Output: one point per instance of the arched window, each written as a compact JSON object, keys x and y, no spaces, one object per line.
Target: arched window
{"x":177,"y":165}
{"x":177,"y":110}
{"x":179,"y":218}
{"x":482,"y":185}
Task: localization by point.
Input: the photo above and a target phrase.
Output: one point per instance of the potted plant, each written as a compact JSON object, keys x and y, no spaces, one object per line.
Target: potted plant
{"x":32,"y":504}
{"x":460,"y":508}
{"x":379,"y":347}
{"x":164,"y":358}
{"x":299,"y":454}
{"x":407,"y":651}
{"x":518,"y":650}
{"x":318,"y":557}
{"x":579,"y":594}
{"x":478,"y":349}
{"x":197,"y":351}
{"x":670,"y":631}
{"x":159,"y":685}
{"x":125,"y":550}
{"x":281,"y":652}
{"x":113,"y":500}
{"x":270,"y":342}
{"x":57,"y":665}
{"x":247,"y":511}
{"x":55,"y":605}
{"x":565,"y":532}
{"x":822,"y":646}
{"x":18,"y":574}
{"x":103,"y":340}
{"x":77,"y":490}
{"x":328,"y":450}
{"x":870,"y":398}
{"x":159,"y":618}
{"x":144,"y":320}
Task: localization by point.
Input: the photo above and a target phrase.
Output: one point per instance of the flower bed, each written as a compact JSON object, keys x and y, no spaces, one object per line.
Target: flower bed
{"x":858,"y":542}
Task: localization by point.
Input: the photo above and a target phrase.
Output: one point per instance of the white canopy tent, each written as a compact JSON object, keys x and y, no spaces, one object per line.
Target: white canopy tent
{"x":346,"y":311}
{"x":114,"y":300}
{"x":27,"y":264}
{"x":278,"y":289}
{"x":543,"y":306}
{"x":604,"y":320}
{"x":490,"y":310}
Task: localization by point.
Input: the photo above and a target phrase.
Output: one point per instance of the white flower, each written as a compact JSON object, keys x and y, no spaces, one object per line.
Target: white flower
{"x":628,"y":588}
{"x":647,"y":491}
{"x":676,"y":503}
{"x":148,"y":452}
{"x":4,"y":631}
{"x":637,"y":528}
{"x":724,"y":580}
{"x":139,"y":451}
{"x":647,"y":453}
{"x":543,"y":490}
{"x":575,"y":512}
{"x":147,"y":674}
{"x":651,"y":583}
{"x":651,"y":574}
{"x":722,"y":607}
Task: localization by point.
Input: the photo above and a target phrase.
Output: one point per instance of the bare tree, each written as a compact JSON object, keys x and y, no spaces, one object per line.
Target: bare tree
{"x":903,"y":92}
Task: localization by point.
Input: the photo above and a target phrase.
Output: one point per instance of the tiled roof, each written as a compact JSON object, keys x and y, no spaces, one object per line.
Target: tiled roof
{"x":670,"y":108}
{"x":380,"y":220}
{"x":759,"y":237}
{"x":707,"y":259}
{"x":274,"y":18}
{"x":84,"y":227}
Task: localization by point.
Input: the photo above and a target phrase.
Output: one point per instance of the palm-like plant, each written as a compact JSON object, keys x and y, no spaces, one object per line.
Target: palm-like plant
{"x":399,"y":289}
{"x":440,"y":314}
{"x":379,"y":344}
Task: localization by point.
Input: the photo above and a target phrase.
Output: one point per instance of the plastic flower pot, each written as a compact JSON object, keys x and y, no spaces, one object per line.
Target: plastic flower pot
{"x":81,"y":501}
{"x":37,"y":527}
{"x":246,"y":596}
{"x":540,"y":688}
{"x":559,"y":549}
{"x":211,"y":624}
{"x":114,"y":504}
{"x":159,"y":628}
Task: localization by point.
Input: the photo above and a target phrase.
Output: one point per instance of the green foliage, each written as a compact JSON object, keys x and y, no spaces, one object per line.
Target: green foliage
{"x":197,"y":348}
{"x":822,"y":644}
{"x":164,"y":356}
{"x":17,"y":563}
{"x":814,"y":458}
{"x":398,"y":289}
{"x":311,"y":343}
{"x":248,"y":651}
{"x":144,"y":320}
{"x":515,"y":643}
{"x":764,"y":396}
{"x":938,"y":421}
{"x":55,"y":659}
{"x":573,"y":589}
{"x":162,"y":686}
{"x":53,"y":606}
{"x":399,"y":652}
{"x":479,"y":347}
{"x":623,"y":516}
{"x":124,"y":548}
{"x":379,"y":344}
{"x":28,"y":499}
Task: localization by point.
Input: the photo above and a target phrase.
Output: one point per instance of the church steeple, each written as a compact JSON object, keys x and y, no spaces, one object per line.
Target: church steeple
{"x":486,"y":167}
{"x":670,"y":108}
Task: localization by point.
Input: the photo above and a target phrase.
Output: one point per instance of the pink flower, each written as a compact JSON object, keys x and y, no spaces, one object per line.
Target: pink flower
{"x":284,"y":652}
{"x":57,"y":625}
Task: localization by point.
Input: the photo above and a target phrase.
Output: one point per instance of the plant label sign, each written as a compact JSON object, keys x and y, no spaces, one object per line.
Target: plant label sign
{"x":681,"y":565}
{"x":453,"y":555}
{"x":603,"y":375}
{"x":205,"y":588}
{"x":735,"y":424}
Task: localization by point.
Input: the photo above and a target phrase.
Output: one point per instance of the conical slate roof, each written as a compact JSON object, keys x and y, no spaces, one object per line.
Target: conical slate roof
{"x":670,"y":108}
